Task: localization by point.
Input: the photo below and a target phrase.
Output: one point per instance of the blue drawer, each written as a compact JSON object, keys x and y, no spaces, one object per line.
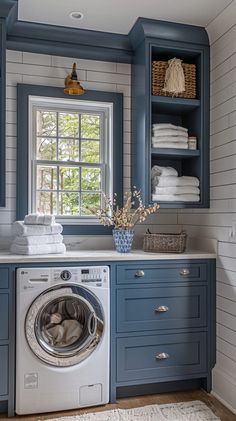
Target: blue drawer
{"x":160,"y":308}
{"x":4,"y":278}
{"x":4,"y":309}
{"x":140,"y":358}
{"x":153,"y":273}
{"x":3,"y":370}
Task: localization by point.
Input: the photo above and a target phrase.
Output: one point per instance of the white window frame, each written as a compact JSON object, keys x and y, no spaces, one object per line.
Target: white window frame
{"x":71,"y":105}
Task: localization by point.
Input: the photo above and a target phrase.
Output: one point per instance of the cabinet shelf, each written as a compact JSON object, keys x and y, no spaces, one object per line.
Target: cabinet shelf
{"x":175,"y":153}
{"x":173,"y":104}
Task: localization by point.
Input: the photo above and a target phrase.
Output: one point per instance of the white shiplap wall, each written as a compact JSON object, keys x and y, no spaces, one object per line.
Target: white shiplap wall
{"x":37,"y":69}
{"x":220,"y":220}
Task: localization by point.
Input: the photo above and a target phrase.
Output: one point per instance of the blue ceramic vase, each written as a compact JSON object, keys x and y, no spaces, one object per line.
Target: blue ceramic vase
{"x":123,"y":240}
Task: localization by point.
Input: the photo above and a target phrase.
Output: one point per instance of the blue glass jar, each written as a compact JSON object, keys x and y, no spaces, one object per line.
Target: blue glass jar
{"x":123,"y":240}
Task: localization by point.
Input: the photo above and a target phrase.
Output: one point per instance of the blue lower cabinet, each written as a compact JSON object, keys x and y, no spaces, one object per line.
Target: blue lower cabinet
{"x":3,"y":371}
{"x":161,"y":308}
{"x":152,"y":358}
{"x":4,"y":316}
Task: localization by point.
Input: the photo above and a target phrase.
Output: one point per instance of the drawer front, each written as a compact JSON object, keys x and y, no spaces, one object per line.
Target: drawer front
{"x":3,"y":370}
{"x":160,"y":356}
{"x":4,"y":278}
{"x":4,"y":308}
{"x":152,"y":273}
{"x":160,"y":308}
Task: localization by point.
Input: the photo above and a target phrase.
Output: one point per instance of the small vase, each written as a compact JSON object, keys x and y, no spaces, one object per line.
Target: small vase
{"x":123,"y":240}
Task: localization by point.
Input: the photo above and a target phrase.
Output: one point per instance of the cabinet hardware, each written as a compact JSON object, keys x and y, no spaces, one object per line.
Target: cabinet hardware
{"x":139,"y":274}
{"x":184,"y":272}
{"x":162,"y":356}
{"x":161,"y":309}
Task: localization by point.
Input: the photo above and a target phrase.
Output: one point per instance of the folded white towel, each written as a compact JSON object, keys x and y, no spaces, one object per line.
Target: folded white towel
{"x":40,"y":249}
{"x":38,"y":239}
{"x":175,"y":198}
{"x":177,"y":190}
{"x":168,"y":132}
{"x":164,"y":126}
{"x":163,"y":171}
{"x":19,"y":228}
{"x":173,"y":181}
{"x":172,"y":145}
{"x":39,"y":219}
{"x":175,"y":139}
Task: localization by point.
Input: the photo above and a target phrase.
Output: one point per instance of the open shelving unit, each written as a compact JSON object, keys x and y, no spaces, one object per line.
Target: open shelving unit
{"x":193,"y":114}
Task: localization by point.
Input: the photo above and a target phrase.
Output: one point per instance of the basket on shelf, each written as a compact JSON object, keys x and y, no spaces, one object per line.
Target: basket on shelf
{"x":158,"y":79}
{"x":165,"y":243}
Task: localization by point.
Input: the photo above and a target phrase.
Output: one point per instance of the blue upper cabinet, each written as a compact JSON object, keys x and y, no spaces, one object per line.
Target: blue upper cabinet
{"x":161,"y":41}
{"x":2,"y":109}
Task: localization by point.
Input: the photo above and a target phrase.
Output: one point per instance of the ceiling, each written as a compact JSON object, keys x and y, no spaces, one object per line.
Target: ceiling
{"x":118,"y":16}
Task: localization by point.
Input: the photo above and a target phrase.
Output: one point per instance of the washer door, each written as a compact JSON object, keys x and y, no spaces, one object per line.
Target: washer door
{"x":64,"y":325}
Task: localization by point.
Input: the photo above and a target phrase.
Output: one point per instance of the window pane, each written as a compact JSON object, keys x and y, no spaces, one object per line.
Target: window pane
{"x":90,"y":204}
{"x":90,"y":126}
{"x":69,"y":178}
{"x":46,"y":177}
{"x":69,"y":204}
{"x":46,"y":202}
{"x":46,"y":148}
{"x":91,"y":179}
{"x":68,"y":150}
{"x":68,"y":124}
{"x":90,"y":151}
{"x":46,"y":123}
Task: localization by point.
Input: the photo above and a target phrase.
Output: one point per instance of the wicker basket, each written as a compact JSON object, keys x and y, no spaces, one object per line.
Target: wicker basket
{"x":165,"y":243}
{"x":158,"y":79}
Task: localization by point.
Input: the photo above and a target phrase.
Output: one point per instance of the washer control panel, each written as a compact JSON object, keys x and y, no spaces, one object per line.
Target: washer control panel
{"x":97,"y":275}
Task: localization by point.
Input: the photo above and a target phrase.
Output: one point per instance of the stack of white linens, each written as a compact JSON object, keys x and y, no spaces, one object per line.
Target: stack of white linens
{"x":37,"y":234}
{"x":168,"y":187}
{"x":169,"y":136}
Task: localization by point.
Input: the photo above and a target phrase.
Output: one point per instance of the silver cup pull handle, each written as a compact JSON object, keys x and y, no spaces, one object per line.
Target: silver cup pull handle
{"x":161,"y":309}
{"x":139,"y":274}
{"x":162,"y":356}
{"x":184,"y":272}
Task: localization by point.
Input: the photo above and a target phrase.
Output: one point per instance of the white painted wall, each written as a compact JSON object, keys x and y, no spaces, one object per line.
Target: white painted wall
{"x":217,"y":222}
{"x":36,"y":69}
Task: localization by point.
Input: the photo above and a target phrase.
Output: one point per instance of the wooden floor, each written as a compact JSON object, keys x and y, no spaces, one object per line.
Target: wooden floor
{"x":221,"y":411}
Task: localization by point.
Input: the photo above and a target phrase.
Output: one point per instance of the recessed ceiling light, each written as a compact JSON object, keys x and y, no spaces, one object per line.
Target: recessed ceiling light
{"x":76,"y":15}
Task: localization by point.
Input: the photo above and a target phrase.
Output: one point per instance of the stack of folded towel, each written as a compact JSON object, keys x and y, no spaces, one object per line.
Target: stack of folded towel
{"x":168,"y":187}
{"x":169,"y":136}
{"x":37,"y":234}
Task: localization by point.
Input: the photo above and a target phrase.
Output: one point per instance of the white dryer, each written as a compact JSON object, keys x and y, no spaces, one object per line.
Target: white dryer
{"x":62,"y":338}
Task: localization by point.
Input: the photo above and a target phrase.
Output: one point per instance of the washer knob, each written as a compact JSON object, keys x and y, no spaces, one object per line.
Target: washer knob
{"x":65,"y":275}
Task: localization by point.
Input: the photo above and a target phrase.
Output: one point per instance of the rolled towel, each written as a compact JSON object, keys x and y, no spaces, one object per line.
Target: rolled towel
{"x":19,"y":228}
{"x":38,"y":239}
{"x":170,"y":145}
{"x":173,"y":139}
{"x":175,"y":198}
{"x":39,"y":219}
{"x":163,"y":171}
{"x":173,"y":181}
{"x":168,"y":132}
{"x":177,"y":190}
{"x":40,"y":249}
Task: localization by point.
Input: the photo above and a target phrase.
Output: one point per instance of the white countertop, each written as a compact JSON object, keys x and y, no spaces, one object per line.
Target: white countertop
{"x":104,"y":256}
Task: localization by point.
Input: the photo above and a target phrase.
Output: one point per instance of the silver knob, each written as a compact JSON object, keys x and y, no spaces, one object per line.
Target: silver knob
{"x":161,"y":309}
{"x":139,"y":274}
{"x":184,"y":272}
{"x":162,"y":356}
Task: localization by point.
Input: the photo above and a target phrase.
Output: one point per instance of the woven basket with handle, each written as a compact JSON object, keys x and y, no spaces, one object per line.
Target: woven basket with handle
{"x":165,"y":243}
{"x":158,"y":78}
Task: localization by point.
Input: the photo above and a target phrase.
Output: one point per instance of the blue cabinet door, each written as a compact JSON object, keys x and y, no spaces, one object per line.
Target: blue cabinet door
{"x":3,"y":370}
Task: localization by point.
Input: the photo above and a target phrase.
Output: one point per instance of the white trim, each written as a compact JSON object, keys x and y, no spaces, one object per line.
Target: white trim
{"x":224,"y":389}
{"x":222,"y":23}
{"x":105,"y":109}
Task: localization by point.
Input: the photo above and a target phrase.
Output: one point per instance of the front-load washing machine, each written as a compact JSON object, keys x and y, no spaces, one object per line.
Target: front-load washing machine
{"x":62,"y":338}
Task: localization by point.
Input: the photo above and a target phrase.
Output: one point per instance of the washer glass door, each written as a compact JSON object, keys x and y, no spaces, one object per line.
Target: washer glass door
{"x":64,"y":325}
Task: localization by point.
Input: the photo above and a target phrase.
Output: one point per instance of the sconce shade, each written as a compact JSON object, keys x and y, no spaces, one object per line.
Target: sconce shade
{"x":72,"y":85}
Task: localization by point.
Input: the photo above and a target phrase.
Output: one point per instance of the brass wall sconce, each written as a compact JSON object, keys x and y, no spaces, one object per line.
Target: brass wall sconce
{"x":72,"y":85}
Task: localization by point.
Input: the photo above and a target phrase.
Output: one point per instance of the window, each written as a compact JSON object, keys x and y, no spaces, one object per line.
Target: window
{"x":72,"y":150}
